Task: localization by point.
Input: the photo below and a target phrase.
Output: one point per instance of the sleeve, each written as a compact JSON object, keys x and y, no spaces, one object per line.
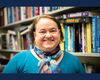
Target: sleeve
{"x":11,"y":66}
{"x":80,"y":67}
{"x":16,"y":64}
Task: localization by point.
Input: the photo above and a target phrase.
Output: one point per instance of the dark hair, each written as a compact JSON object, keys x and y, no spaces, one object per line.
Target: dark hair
{"x":35,"y":21}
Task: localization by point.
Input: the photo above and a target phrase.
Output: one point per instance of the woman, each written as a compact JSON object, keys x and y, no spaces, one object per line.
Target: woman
{"x":46,"y":56}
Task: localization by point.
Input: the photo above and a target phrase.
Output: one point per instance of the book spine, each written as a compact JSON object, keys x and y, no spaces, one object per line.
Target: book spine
{"x":69,"y":38}
{"x":94,"y":32}
{"x":73,"y":38}
{"x":98,"y":34}
{"x":83,"y":37}
{"x":80,"y":38}
{"x":17,"y":15}
{"x":32,"y":12}
{"x":62,"y":42}
{"x":66,"y":37}
{"x":28,"y":12}
{"x":5,"y":16}
{"x":89,"y":37}
{"x":11,"y":17}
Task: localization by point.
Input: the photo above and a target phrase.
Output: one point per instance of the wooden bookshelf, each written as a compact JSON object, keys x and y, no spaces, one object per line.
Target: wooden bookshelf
{"x":29,"y":21}
{"x":86,"y":54}
{"x":91,"y":58}
{"x":55,"y":12}
{"x":10,"y":51}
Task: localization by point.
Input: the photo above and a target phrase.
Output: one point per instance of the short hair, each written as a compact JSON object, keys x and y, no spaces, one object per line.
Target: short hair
{"x":35,"y":21}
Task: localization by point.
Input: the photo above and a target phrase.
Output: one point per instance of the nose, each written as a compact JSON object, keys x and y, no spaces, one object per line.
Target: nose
{"x":48,"y":34}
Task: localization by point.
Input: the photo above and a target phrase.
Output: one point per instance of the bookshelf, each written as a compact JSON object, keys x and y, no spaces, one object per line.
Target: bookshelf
{"x":10,"y":51}
{"x":86,"y":54}
{"x":91,"y":58}
{"x":55,"y":12}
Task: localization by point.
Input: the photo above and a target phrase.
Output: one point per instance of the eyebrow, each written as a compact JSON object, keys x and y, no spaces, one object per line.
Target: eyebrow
{"x":51,"y":28}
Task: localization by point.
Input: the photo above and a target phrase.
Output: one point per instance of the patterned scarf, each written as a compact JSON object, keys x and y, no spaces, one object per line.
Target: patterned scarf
{"x":48,"y":62}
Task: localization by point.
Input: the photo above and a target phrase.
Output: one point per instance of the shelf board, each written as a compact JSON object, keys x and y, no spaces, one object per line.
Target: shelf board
{"x":86,"y":54}
{"x":10,"y":51}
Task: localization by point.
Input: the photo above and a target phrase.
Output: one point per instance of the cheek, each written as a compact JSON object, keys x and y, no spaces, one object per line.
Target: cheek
{"x":38,"y":38}
{"x":57,"y":37}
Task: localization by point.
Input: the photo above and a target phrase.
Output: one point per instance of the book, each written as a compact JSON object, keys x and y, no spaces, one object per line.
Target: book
{"x":78,"y":20}
{"x":11,"y":41}
{"x":98,"y":34}
{"x":84,"y":49}
{"x":2,"y":22}
{"x":89,"y":37}
{"x":69,"y":39}
{"x":82,"y":14}
{"x":77,"y":49}
{"x":94,"y":33}
{"x":62,"y":42}
{"x":28,"y":12}
{"x":32,"y":12}
{"x":36,"y":11}
{"x":11,"y":15}
{"x":3,"y":41}
{"x":5,"y":16}
{"x":80,"y":37}
{"x":23,"y":13}
{"x":66,"y":37}
{"x":73,"y":38}
{"x":19,"y":40}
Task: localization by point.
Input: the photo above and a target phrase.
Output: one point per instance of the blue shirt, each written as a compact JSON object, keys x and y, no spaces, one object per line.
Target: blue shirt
{"x":25,"y":62}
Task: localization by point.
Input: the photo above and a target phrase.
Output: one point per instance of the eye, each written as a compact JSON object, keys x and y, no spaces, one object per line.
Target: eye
{"x":42,"y":31}
{"x":53,"y":30}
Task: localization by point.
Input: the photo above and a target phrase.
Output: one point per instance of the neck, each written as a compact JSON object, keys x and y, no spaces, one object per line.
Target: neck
{"x":43,"y":54}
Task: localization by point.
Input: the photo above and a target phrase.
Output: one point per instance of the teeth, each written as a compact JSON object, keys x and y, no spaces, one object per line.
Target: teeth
{"x":48,"y":40}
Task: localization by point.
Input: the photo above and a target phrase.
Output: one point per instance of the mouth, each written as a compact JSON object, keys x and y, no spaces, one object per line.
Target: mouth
{"x":48,"y":40}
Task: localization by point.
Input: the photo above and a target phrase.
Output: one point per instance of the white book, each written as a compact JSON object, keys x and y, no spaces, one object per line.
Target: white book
{"x":23,"y":13}
{"x":45,"y":10}
{"x":41,"y":10}
{"x":69,"y":38}
{"x":5,"y":16}
{"x":12,"y":32}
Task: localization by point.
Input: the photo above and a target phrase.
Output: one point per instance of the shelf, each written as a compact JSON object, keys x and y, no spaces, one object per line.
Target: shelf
{"x":59,"y":11}
{"x":86,"y":54}
{"x":10,"y":51}
{"x":29,"y":21}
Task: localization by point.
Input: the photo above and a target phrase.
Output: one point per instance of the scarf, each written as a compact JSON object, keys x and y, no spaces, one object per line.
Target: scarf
{"x":48,"y":62}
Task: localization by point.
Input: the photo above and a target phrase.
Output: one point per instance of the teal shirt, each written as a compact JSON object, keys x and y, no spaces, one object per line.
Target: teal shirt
{"x":25,"y":62}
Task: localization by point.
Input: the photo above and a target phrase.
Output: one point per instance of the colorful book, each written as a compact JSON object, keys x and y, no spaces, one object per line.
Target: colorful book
{"x":84,"y":38}
{"x":89,"y":37}
{"x":73,"y":38}
{"x":5,"y":16}
{"x":66,"y":37}
{"x":94,"y":33}
{"x":98,"y":34}
{"x":69,"y":39}
{"x":62,"y":42}
{"x":81,"y":14}
{"x":80,"y":37}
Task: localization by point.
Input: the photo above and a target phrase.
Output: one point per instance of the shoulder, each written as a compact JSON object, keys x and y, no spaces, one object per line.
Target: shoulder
{"x":22,"y":55}
{"x":67,"y":54}
{"x":70,"y":57}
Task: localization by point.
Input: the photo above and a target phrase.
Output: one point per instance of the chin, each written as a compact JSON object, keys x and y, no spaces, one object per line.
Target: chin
{"x":49,"y":49}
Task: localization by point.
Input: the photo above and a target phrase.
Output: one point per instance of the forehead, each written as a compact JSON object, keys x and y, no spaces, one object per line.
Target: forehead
{"x":46,"y":23}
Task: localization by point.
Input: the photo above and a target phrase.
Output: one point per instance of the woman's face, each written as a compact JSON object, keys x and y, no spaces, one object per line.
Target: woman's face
{"x":47,"y":34}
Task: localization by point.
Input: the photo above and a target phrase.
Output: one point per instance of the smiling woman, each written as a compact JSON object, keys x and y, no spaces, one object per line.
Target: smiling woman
{"x":46,"y":56}
{"x":47,"y":37}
